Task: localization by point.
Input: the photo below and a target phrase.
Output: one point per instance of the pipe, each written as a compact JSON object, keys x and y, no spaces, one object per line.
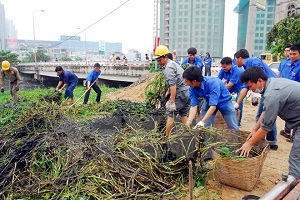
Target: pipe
{"x":281,"y":189}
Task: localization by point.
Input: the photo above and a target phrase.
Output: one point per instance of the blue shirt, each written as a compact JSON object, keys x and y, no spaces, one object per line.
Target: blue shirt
{"x":93,"y":76}
{"x":233,"y":75}
{"x":290,"y":70}
{"x":256,"y":62}
{"x":197,"y":61}
{"x":68,"y":77}
{"x":282,"y":65}
{"x":234,"y":61}
{"x":213,"y":90}
{"x":207,"y":61}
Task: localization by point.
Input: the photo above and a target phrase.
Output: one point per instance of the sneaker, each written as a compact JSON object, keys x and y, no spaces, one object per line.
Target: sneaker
{"x":274,"y":147}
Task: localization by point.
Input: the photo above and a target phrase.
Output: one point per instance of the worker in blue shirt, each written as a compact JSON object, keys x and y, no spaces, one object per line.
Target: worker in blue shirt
{"x":285,"y":62}
{"x":91,"y":82}
{"x":207,"y":62}
{"x":230,"y":74}
{"x":67,"y":80}
{"x":243,"y":60}
{"x":193,"y":58}
{"x":290,"y":68}
{"x":216,"y":98}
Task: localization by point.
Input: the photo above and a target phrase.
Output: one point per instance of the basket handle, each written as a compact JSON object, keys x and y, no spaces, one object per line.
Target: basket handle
{"x":267,"y":148}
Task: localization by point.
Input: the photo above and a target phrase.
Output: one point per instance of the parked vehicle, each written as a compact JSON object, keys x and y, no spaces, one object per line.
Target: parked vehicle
{"x":268,"y":58}
{"x":274,"y":66}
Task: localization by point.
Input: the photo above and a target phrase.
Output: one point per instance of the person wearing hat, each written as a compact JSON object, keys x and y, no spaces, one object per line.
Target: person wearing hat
{"x":14,"y":79}
{"x":91,"y":82}
{"x":67,"y":80}
{"x":179,"y":102}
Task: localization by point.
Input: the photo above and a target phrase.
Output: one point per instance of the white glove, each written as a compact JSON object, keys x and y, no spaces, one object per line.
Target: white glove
{"x":199,"y":124}
{"x":171,"y":106}
{"x":236,"y":106}
{"x":59,"y":90}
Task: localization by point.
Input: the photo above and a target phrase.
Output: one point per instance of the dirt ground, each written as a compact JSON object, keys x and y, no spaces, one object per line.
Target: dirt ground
{"x":275,"y":164}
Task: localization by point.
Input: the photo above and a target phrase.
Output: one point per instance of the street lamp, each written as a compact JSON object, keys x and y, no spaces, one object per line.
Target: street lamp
{"x":35,"y":64}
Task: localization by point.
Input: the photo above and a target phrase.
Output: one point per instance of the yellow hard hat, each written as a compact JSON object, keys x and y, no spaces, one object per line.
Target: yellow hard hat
{"x":5,"y":65}
{"x":161,"y":50}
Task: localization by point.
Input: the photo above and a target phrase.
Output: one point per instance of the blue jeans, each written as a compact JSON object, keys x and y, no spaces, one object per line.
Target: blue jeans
{"x":69,"y":90}
{"x":228,"y":115}
{"x":240,"y":109}
{"x":272,"y":135}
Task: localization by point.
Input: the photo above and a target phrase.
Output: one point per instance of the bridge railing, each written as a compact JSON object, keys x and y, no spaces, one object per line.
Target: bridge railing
{"x":123,"y":68}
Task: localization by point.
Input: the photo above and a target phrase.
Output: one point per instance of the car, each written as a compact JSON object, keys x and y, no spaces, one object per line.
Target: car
{"x":274,"y":66}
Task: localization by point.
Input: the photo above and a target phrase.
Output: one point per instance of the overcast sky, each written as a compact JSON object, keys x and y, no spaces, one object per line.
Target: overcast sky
{"x":131,"y":24}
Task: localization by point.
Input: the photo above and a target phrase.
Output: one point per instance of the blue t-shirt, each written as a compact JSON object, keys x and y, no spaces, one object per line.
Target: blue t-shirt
{"x":68,"y":77}
{"x":207,"y":61}
{"x":197,"y":62}
{"x":233,"y":75}
{"x":213,"y":90}
{"x":290,"y":70}
{"x":282,"y":65}
{"x":256,"y":62}
{"x":93,"y":76}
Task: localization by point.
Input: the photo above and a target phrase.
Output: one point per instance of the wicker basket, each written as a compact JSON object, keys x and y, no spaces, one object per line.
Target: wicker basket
{"x":219,"y":121}
{"x":242,"y":174}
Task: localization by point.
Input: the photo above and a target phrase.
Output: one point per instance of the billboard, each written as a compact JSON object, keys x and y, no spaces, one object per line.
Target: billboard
{"x":261,"y":4}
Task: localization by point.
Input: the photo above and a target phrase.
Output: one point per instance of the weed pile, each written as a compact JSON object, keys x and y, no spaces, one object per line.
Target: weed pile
{"x":45,"y":154}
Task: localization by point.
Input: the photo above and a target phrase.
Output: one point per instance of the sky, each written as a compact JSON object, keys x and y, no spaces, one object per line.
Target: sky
{"x":131,"y":21}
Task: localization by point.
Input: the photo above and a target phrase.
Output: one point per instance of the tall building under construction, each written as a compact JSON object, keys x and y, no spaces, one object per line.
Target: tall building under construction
{"x":192,"y":23}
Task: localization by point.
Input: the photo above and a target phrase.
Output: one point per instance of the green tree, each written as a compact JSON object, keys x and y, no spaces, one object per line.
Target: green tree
{"x":12,"y":58}
{"x":65,"y":59}
{"x":41,"y":56}
{"x":285,"y":32}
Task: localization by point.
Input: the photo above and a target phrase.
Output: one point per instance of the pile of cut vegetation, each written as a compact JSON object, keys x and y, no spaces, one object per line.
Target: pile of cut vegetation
{"x":45,"y":154}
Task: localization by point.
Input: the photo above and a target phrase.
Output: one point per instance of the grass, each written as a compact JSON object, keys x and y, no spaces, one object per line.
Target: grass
{"x":73,"y":160}
{"x":10,"y":112}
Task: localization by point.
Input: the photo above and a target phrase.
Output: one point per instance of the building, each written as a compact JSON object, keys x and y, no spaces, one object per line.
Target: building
{"x":192,"y":23}
{"x":112,"y":47}
{"x":284,"y":8}
{"x":2,"y":27}
{"x":265,"y":20}
{"x":67,"y":47}
{"x":8,"y":33}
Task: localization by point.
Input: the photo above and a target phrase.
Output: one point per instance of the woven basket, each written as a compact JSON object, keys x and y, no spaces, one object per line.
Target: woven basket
{"x":219,"y":121}
{"x":242,"y":174}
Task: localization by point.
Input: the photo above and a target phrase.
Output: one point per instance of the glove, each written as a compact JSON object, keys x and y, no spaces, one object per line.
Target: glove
{"x":56,"y":89}
{"x":59,"y":91}
{"x":199,"y":124}
{"x":236,"y":106}
{"x":171,"y":106}
{"x":2,"y":89}
{"x":17,"y":88}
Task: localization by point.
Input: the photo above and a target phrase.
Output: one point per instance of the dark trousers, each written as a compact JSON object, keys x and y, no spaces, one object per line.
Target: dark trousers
{"x":97,"y":90}
{"x":207,"y":71}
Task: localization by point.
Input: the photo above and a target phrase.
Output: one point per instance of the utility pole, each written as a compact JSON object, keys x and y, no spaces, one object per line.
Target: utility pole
{"x":155,"y":27}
